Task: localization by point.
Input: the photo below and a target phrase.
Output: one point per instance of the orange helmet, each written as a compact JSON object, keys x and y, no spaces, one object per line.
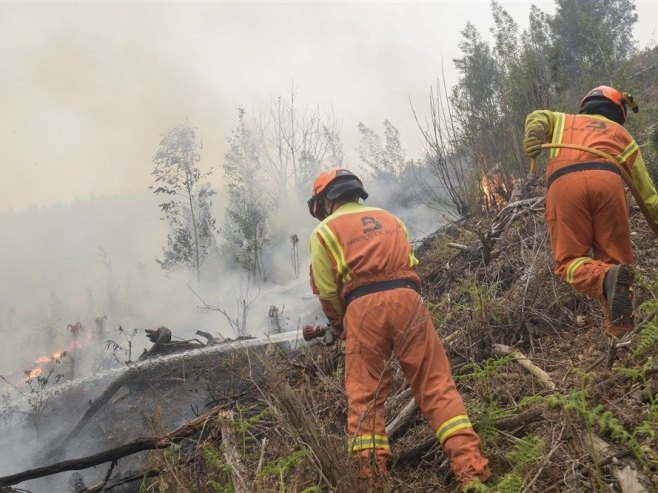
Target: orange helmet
{"x":332,"y":184}
{"x":598,"y":100}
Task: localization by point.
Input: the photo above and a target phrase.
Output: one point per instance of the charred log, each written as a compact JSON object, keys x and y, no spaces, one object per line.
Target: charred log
{"x":212,"y":340}
{"x":159,"y":335}
{"x":139,"y":445}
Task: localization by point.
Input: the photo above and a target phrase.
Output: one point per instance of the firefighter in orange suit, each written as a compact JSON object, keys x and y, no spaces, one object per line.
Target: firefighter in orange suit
{"x":586,"y":207}
{"x":362,"y":268}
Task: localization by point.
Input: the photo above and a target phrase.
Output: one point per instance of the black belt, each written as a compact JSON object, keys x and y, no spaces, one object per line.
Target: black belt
{"x":380,"y":286}
{"x":582,"y":167}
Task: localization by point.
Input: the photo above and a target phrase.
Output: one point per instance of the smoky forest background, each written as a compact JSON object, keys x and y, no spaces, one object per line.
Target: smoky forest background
{"x":185,"y":372}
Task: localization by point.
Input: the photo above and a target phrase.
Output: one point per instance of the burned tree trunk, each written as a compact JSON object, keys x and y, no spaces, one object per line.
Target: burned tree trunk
{"x":144,"y":443}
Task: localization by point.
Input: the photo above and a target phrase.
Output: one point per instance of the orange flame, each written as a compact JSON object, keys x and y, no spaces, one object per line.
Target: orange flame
{"x":31,"y":374}
{"x":80,"y":339}
{"x":493,"y":188}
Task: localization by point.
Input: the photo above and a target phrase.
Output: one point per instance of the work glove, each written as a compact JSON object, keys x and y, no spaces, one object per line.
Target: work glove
{"x":534,"y":138}
{"x":333,"y":334}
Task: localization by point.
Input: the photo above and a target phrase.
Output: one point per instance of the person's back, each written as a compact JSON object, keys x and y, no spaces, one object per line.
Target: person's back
{"x":586,"y":206}
{"x":368,"y":245}
{"x":591,"y":131}
{"x":362,"y":270}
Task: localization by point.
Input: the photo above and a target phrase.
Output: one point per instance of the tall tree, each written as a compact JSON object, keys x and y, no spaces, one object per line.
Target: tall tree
{"x":188,"y":209}
{"x":385,"y":160}
{"x":246,"y":227}
{"x":478,"y":103}
{"x":591,"y":40}
{"x":536,"y":58}
{"x":295,"y":142}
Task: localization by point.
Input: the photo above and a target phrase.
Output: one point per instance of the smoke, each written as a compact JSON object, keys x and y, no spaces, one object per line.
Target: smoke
{"x":88,"y":122}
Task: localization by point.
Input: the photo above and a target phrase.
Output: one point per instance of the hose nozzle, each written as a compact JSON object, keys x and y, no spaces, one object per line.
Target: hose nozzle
{"x":310,"y":332}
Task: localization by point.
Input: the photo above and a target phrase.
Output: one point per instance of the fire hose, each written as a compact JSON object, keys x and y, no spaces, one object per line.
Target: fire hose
{"x":625,"y":174}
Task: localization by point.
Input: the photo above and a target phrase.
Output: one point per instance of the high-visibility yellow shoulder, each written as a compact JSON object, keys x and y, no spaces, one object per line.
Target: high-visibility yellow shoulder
{"x":547,"y":119}
{"x":645,"y":185}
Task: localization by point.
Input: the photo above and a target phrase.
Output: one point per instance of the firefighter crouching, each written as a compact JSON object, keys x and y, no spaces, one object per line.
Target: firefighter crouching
{"x":362,"y":269}
{"x":586,"y":207}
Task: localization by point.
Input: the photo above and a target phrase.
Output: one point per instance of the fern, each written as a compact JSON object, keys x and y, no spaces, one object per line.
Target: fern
{"x":280,"y":467}
{"x":509,"y":483}
{"x":526,"y":453}
{"x":606,"y":422}
{"x":487,"y":414}
{"x":487,"y":369}
{"x":648,"y":338}
{"x":483,"y":373}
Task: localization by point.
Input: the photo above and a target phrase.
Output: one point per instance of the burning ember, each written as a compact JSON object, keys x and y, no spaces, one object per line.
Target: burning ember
{"x":33,"y":373}
{"x":45,"y":364}
{"x":494,"y":188}
{"x":42,"y":362}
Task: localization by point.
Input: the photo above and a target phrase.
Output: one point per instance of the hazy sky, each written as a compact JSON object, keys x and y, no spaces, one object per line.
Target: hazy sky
{"x":87,"y":89}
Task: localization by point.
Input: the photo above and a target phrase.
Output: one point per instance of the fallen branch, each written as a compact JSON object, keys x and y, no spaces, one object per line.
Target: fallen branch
{"x":521,"y":359}
{"x":503,"y":220}
{"x":403,"y":417}
{"x":521,"y":419}
{"x":212,"y":340}
{"x":239,"y":476}
{"x":100,"y":486}
{"x":508,"y":423}
{"x":139,"y":445}
{"x":628,"y":480}
{"x":627,"y":477}
{"x":132,"y":374}
{"x":459,"y":246}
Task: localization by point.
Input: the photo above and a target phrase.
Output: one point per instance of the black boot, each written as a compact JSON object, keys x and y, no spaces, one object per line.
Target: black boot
{"x":617,"y":288}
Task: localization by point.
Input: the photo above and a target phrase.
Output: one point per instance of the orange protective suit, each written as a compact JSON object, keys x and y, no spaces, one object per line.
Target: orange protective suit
{"x":359,"y":247}
{"x":587,"y":211}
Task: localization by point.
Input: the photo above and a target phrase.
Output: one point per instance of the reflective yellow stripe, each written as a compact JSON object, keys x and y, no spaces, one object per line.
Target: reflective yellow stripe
{"x":413,"y":261}
{"x":453,"y":425}
{"x":625,"y":154}
{"x":571,"y":270}
{"x":558,"y":132}
{"x":336,"y":251}
{"x":364,"y":442}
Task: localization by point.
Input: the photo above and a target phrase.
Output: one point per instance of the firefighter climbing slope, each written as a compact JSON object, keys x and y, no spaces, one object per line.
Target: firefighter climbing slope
{"x":586,"y":207}
{"x":362,"y":268}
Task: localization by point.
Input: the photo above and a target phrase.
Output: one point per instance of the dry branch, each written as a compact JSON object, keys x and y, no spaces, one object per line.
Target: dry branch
{"x":296,"y":416}
{"x":139,"y":445}
{"x":509,"y":423}
{"x":212,"y":340}
{"x":521,"y":419}
{"x":98,"y":488}
{"x":97,"y":404}
{"x":403,"y":417}
{"x":521,"y":359}
{"x":459,"y":246}
{"x":239,"y":476}
{"x":628,"y":480}
{"x":627,"y":477}
{"x":503,"y":220}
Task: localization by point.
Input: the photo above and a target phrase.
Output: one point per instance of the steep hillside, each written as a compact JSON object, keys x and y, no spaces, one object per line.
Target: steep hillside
{"x":530,"y":359}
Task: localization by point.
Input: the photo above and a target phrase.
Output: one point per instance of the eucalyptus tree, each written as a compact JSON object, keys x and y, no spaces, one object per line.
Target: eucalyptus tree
{"x":246,"y":227}
{"x":188,"y":205}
